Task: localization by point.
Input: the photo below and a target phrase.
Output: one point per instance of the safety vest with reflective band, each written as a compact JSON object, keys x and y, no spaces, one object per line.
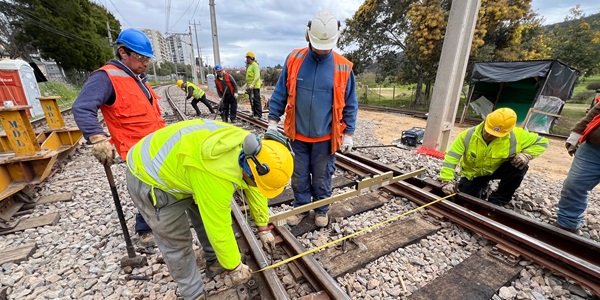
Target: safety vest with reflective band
{"x":220,"y":84}
{"x":132,"y":116}
{"x":342,"y":70}
{"x":253,"y":75}
{"x":199,"y":159}
{"x":477,"y":158}
{"x":198,"y":92}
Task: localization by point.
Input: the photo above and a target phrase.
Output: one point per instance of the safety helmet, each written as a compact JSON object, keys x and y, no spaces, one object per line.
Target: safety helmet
{"x":500,"y":122}
{"x":136,"y":41}
{"x":279,"y":164}
{"x":250,"y":54}
{"x":323,"y":31}
{"x":179,"y":83}
{"x":218,"y":68}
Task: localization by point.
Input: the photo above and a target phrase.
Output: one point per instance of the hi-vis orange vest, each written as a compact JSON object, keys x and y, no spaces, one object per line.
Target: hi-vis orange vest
{"x":228,"y":81}
{"x":132,"y":116}
{"x":342,"y":70}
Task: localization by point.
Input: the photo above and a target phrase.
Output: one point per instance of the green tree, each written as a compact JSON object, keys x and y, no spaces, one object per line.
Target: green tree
{"x":576,"y":43}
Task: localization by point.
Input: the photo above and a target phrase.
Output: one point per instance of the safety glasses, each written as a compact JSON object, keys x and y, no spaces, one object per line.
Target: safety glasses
{"x":140,"y":57}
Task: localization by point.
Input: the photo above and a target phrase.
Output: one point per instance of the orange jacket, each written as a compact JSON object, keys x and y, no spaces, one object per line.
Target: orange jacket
{"x":220,"y":85}
{"x":132,"y":116}
{"x":343,"y":69}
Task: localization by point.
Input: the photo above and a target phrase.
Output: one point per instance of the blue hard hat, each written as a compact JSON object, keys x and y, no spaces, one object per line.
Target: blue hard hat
{"x":218,"y":68}
{"x":136,"y":41}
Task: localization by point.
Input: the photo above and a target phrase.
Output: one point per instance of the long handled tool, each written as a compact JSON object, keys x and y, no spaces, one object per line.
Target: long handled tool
{"x":381,"y":146}
{"x":220,"y":105}
{"x":132,"y":260}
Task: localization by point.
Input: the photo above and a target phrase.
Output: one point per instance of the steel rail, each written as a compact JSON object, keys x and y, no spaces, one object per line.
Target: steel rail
{"x":563,"y":252}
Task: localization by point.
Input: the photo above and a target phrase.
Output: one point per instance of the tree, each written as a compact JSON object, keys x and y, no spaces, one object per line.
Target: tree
{"x":576,"y":43}
{"x":71,"y":32}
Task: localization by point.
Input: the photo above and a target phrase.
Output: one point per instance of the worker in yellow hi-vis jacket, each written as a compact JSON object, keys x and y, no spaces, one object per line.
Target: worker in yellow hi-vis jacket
{"x":201,"y":163}
{"x":494,"y":149}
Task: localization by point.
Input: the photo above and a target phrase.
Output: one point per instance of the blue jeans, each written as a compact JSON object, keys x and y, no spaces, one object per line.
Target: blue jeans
{"x":313,"y":168}
{"x":583,"y":176}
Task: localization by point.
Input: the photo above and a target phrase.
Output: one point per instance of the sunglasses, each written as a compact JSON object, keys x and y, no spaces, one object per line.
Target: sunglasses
{"x":140,"y":57}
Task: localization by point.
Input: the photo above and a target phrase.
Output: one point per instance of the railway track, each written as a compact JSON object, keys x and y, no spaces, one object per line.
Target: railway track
{"x":499,"y":245}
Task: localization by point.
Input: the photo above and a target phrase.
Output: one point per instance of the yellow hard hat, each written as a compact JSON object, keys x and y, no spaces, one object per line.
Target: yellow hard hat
{"x":279,"y":162}
{"x":179,"y":83}
{"x":250,"y":54}
{"x":500,"y":122}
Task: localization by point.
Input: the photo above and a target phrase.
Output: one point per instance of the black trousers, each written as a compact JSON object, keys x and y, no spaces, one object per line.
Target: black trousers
{"x":255,"y":102}
{"x":203,"y":100}
{"x":510,"y":180}
{"x":229,"y":108}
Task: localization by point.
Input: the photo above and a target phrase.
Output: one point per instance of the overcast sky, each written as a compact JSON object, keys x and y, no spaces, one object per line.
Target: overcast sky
{"x":269,"y":28}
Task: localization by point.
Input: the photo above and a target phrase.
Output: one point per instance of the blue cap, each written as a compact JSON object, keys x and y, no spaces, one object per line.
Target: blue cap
{"x":136,"y":41}
{"x":218,"y":68}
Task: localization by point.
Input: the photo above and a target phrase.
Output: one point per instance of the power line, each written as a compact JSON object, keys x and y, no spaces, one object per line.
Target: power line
{"x":184,"y":13}
{"x":122,"y":16}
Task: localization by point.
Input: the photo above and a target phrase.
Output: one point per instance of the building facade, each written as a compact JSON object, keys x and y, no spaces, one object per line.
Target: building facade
{"x":180,"y":49}
{"x":159,"y":45}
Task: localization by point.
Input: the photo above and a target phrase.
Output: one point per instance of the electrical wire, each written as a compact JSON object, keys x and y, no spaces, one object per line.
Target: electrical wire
{"x":122,"y":16}
{"x":186,"y":10}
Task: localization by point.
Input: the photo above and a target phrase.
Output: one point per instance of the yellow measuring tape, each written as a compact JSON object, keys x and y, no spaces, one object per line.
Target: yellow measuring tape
{"x":348,"y":236}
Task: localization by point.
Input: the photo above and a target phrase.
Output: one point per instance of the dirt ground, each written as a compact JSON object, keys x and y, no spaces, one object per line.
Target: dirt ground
{"x":554,"y":162}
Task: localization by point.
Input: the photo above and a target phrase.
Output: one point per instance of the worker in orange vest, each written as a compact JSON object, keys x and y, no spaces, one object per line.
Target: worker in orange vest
{"x":317,"y":92}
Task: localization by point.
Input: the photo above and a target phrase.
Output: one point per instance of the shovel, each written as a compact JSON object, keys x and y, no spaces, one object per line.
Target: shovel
{"x":131,"y":260}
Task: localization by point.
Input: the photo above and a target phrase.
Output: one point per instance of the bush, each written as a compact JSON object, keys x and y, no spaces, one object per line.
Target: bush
{"x":595,"y":85}
{"x":67,"y":92}
{"x":583,"y":97}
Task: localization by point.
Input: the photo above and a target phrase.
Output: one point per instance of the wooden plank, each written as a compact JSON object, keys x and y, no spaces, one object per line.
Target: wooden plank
{"x":342,"y":209}
{"x":477,"y":277}
{"x":17,"y":254}
{"x":47,"y":219}
{"x":381,"y":241}
{"x":288,"y":194}
{"x":51,"y":199}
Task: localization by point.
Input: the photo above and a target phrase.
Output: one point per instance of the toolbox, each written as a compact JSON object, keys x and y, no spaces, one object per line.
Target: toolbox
{"x":413,"y":136}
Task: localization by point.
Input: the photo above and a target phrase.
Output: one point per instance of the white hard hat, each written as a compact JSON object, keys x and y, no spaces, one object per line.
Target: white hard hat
{"x":323,"y":31}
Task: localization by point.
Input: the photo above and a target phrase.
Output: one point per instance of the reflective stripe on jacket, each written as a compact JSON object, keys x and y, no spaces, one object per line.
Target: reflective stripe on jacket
{"x":199,"y":159}
{"x":253,"y":75}
{"x":132,"y":116}
{"x":342,"y":71}
{"x":220,"y":87}
{"x":198,"y":92}
{"x":477,"y":158}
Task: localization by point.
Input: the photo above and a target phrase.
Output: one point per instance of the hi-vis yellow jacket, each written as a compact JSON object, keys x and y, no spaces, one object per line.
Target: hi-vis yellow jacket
{"x":478,"y":159}
{"x":199,"y":158}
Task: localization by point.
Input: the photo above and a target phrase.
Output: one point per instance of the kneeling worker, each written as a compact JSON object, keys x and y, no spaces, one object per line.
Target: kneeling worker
{"x":197,"y":93}
{"x":494,"y":149}
{"x":201,"y":163}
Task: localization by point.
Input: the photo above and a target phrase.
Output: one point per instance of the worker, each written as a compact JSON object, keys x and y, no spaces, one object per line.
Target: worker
{"x":228,"y":93}
{"x":128,"y":103}
{"x":200,"y":164}
{"x":494,"y":149}
{"x":584,"y":144}
{"x":253,"y":84}
{"x":131,"y":111}
{"x":317,"y":92}
{"x":197,"y":93}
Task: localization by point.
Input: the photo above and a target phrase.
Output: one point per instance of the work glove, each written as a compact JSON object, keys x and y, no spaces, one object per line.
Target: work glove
{"x":251,"y":86}
{"x":346,"y":144}
{"x":235,"y":95}
{"x":102,"y":149}
{"x":239,"y":275}
{"x":449,"y":187}
{"x":272,"y":127}
{"x":268,"y":240}
{"x":572,"y":142}
{"x":521,"y":160}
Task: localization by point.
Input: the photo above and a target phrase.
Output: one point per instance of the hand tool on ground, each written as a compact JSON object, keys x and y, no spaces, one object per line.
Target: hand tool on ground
{"x":131,"y":260}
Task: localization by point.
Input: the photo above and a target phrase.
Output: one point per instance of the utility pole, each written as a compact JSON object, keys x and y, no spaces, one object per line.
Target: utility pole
{"x":199,"y":55}
{"x":110,"y":42}
{"x":215,"y":35}
{"x":194,"y":73}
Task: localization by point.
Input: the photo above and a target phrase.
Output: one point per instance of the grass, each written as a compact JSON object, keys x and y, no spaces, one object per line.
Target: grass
{"x":67,"y":92}
{"x":571,"y":114}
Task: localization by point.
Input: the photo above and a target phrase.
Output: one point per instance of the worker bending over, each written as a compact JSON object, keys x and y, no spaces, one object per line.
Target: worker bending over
{"x":195,"y":92}
{"x":201,"y":163}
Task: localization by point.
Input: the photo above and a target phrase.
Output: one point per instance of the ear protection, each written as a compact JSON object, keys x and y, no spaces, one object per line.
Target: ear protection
{"x":308,"y":29}
{"x":252,"y":145}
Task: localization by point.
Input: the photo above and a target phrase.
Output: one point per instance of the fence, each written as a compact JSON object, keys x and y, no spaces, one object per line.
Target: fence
{"x":394,"y":96}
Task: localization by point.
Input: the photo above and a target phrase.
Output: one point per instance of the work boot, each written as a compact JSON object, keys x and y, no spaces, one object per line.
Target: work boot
{"x":571,"y":230}
{"x":201,"y":297}
{"x":147,"y":239}
{"x":213,"y":268}
{"x":295,"y":220}
{"x":321,"y":219}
